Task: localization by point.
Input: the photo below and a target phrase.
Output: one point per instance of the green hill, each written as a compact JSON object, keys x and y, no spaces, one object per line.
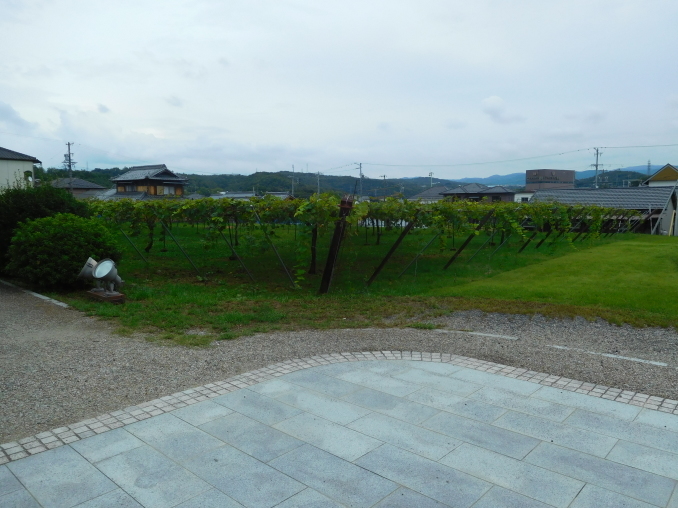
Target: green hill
{"x":617,"y":178}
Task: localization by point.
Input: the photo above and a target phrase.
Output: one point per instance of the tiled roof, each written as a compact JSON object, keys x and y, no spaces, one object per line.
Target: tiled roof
{"x":15,"y":156}
{"x":432,"y":193}
{"x":143,"y":172}
{"x":497,"y":189}
{"x":469,"y":188}
{"x":631,"y":198}
{"x":78,"y":183}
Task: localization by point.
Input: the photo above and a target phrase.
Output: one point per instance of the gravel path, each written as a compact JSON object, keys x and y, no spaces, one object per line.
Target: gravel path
{"x":58,"y":367}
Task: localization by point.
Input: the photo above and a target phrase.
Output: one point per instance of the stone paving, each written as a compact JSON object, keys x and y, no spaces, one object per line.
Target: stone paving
{"x":386,"y":429}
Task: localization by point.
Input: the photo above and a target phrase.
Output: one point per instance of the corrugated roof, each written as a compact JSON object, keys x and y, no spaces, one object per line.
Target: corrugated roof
{"x":630,"y":198}
{"x":11,"y":155}
{"x":78,"y":183}
{"x":143,"y":172}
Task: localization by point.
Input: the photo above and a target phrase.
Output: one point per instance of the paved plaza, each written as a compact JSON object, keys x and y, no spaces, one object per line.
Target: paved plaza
{"x":382,"y":433}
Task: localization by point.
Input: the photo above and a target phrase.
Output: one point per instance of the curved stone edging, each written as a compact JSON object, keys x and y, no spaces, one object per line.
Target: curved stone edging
{"x":64,"y":435}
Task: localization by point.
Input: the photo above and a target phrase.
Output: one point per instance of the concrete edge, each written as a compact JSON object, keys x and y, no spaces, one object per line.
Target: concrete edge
{"x":48,"y":440}
{"x":37,"y":295}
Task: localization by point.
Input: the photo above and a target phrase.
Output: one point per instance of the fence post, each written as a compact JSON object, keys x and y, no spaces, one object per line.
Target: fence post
{"x":468,"y":240}
{"x":344,"y":210}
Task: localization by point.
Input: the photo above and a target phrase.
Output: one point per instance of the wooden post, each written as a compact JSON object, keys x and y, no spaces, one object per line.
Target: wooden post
{"x":344,"y":210}
{"x":393,"y":248}
{"x":544,"y":239}
{"x":468,"y":240}
{"x":527,"y":242}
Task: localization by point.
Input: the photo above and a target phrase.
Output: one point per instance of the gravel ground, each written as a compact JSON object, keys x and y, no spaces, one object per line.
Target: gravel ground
{"x":58,"y":367}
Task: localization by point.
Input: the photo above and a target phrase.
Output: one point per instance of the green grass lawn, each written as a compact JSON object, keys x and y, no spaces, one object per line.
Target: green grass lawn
{"x":625,"y":278}
{"x":637,"y":274}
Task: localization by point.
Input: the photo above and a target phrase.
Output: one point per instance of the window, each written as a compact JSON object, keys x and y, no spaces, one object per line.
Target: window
{"x":496,"y":198}
{"x":130,"y":188}
{"x":524,"y":200}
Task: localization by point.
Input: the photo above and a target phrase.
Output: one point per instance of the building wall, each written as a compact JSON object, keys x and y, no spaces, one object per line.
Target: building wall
{"x":520,"y":196}
{"x":536,"y":179}
{"x":661,"y":183}
{"x":12,"y":172}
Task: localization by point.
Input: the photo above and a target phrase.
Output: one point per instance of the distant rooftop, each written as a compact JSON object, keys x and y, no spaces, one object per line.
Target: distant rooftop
{"x":630,"y":198}
{"x":432,"y":193}
{"x":152,"y":171}
{"x":469,"y":188}
{"x":78,"y":183}
{"x":11,"y":155}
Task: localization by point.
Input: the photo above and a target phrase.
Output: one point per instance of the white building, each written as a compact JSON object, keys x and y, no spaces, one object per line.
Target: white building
{"x":665,"y":177}
{"x":523,"y":197}
{"x":16,"y":168}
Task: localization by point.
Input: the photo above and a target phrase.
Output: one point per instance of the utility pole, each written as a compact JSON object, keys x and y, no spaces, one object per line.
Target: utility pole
{"x":292,"y":177}
{"x":598,"y":154}
{"x":68,"y":164}
{"x":360,"y":168}
{"x":430,"y":175}
{"x":649,"y":167}
{"x":384,"y":177}
{"x":318,"y":183}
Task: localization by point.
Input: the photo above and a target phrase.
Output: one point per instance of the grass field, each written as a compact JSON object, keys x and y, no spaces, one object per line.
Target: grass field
{"x":625,"y":278}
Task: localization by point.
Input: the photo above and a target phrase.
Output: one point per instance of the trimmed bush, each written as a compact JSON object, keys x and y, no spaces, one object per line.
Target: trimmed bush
{"x":18,"y":205}
{"x":51,"y":251}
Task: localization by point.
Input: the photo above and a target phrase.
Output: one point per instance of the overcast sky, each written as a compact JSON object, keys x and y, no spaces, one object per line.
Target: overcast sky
{"x":231,"y":86}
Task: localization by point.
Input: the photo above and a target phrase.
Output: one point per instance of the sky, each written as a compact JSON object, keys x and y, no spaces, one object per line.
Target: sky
{"x":405,"y":87}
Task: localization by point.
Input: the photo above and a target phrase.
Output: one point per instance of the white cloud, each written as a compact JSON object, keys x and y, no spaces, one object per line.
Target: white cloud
{"x":101,"y":108}
{"x":495,"y":108}
{"x":11,"y":119}
{"x":268,"y":84}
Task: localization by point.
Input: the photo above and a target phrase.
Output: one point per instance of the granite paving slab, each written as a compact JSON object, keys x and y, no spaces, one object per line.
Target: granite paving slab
{"x":388,"y":429}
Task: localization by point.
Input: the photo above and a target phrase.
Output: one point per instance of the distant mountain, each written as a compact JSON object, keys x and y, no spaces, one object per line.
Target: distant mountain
{"x":519,"y":178}
{"x":510,"y":179}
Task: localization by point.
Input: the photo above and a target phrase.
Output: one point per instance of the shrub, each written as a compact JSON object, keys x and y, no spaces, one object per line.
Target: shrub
{"x":18,"y":205}
{"x":51,"y":251}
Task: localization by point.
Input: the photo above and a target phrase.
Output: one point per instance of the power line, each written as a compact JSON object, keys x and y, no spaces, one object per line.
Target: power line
{"x":511,"y":160}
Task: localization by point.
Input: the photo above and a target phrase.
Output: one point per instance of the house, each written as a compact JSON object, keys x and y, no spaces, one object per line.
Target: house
{"x":81,"y":189}
{"x":431,"y":195}
{"x":537,"y":179}
{"x":16,"y":168}
{"x":665,"y":177}
{"x":478,"y":192}
{"x":147,"y":182}
{"x":657,"y":204}
{"x":523,"y":196}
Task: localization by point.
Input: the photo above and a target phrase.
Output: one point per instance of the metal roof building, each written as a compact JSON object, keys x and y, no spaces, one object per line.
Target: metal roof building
{"x":657,"y":204}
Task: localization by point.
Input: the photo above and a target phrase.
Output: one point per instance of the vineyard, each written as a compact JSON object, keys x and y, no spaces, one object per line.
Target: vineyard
{"x":312,"y":243}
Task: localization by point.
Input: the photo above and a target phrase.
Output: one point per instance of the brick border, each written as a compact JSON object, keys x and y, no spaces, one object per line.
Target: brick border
{"x":64,"y":435}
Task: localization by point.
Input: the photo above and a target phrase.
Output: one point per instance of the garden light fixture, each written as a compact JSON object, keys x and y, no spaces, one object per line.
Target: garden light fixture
{"x":103,"y":273}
